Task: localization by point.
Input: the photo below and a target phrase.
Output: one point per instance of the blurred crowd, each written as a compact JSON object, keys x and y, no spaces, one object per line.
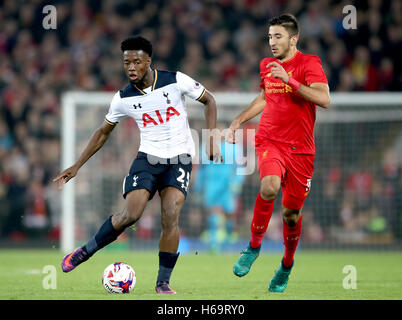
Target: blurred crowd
{"x":218,"y":42}
{"x":356,"y":205}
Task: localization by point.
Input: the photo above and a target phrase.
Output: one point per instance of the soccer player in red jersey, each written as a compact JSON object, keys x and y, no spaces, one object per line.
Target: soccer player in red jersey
{"x":292,"y":84}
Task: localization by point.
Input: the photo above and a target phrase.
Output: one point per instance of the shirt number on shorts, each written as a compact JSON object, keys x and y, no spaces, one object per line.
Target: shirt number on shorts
{"x":184,"y":178}
{"x":308,"y":185}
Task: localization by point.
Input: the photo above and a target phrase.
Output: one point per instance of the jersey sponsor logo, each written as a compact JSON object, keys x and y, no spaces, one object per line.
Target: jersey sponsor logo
{"x":148,"y":119}
{"x":277,"y":87}
{"x":137,"y":106}
{"x":288,"y":88}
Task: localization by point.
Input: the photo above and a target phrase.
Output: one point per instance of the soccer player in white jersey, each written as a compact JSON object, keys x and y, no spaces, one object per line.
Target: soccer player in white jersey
{"x":155,"y":100}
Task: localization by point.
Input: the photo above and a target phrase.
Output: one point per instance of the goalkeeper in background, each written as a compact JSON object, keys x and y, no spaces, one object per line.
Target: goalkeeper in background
{"x":218,"y":186}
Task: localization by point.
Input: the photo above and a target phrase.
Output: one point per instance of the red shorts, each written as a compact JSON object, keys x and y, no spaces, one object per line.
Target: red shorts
{"x":295,"y":171}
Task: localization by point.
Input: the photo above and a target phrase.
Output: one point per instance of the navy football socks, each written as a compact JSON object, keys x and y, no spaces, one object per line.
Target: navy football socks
{"x":105,"y":235}
{"x":167,"y":261}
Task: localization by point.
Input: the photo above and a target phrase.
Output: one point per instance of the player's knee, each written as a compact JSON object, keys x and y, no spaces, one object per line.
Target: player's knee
{"x":133,"y":217}
{"x":170,"y":216}
{"x":169,"y":223}
{"x":290,"y":216}
{"x":268,"y":191}
{"x":125,"y":219}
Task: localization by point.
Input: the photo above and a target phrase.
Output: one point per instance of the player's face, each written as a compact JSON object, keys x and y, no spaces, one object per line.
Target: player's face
{"x":280,"y":41}
{"x":136,"y":65}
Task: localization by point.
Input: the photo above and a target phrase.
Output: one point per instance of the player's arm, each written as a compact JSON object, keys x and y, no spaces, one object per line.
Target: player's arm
{"x":317,"y":93}
{"x":255,"y":108}
{"x":212,"y":148}
{"x":96,"y":142}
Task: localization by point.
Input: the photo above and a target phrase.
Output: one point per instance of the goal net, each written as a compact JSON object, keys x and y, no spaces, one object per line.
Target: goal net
{"x":356,"y":190}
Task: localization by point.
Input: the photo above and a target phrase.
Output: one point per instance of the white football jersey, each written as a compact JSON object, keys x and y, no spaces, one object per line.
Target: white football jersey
{"x":159,"y":112}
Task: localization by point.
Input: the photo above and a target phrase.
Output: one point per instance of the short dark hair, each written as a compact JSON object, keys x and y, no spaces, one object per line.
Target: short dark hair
{"x":137,"y":43}
{"x":288,"y":21}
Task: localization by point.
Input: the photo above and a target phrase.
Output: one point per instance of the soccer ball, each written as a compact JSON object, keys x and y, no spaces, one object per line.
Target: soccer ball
{"x":119,"y":277}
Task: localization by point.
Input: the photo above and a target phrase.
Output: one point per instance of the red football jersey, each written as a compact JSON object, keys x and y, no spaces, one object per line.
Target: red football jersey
{"x":287,"y":117}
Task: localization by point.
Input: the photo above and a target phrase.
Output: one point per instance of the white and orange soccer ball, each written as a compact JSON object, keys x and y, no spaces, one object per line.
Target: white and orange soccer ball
{"x":119,"y":277}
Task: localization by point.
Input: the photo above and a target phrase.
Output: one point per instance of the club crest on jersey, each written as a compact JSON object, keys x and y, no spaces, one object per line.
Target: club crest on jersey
{"x":166,"y":96}
{"x":149,"y":119}
{"x":137,"y":106}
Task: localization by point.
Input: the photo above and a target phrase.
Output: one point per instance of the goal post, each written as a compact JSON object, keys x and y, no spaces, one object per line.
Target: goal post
{"x":86,"y":201}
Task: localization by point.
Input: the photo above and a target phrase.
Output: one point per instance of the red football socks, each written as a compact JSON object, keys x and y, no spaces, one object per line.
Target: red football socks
{"x":262,"y":214}
{"x":291,"y":236}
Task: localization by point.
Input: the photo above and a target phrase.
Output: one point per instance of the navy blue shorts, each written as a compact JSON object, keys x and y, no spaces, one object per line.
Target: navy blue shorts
{"x":154,"y":174}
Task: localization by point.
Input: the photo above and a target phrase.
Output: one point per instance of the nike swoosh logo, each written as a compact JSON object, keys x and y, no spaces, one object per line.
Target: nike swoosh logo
{"x":67,"y":261}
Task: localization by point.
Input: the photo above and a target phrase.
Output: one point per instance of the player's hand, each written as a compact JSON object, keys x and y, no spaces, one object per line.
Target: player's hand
{"x":278,"y":71}
{"x":213,"y":151}
{"x":230,"y":133}
{"x":66,"y":175}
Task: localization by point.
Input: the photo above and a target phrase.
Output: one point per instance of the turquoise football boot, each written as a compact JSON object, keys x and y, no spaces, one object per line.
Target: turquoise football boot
{"x":243,"y":264}
{"x":280,"y":279}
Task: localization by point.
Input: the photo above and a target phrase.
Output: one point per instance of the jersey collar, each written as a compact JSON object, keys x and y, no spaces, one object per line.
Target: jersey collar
{"x":291,"y":60}
{"x":153,"y":85}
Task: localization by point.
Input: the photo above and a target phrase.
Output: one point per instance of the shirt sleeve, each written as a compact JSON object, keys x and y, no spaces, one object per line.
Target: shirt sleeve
{"x":314,"y":71}
{"x":263,"y":72}
{"x":116,"y":111}
{"x":189,"y":86}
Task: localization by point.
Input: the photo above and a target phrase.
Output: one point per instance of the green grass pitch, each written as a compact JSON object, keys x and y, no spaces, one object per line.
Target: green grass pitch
{"x":317,"y":275}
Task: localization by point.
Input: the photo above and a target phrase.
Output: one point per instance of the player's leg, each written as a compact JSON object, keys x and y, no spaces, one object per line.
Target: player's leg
{"x":294,"y":194}
{"x":230,"y":206}
{"x":172,"y":186}
{"x":292,"y":225}
{"x":272,"y":172}
{"x":215,"y":224}
{"x":138,"y":187}
{"x":110,"y":229}
{"x":263,"y":208}
{"x":172,"y":200}
{"x":230,"y":227}
{"x":212,"y":204}
{"x":117,"y":223}
{"x":136,"y":203}
{"x":230,"y":232}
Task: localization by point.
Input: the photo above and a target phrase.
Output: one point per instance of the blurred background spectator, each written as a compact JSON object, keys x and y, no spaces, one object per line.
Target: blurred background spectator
{"x":218,"y":42}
